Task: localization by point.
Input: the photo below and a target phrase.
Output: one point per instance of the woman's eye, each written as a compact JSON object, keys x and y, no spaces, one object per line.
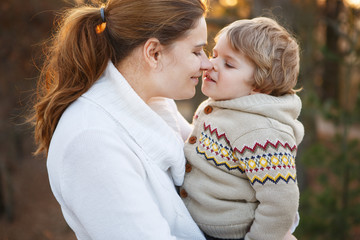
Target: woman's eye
{"x":197,"y":53}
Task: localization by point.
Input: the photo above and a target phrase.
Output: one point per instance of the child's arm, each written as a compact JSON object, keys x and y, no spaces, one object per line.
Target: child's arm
{"x":269,"y":164}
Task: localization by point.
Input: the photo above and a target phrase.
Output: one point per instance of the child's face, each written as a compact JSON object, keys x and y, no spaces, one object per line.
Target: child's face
{"x":232,"y":73}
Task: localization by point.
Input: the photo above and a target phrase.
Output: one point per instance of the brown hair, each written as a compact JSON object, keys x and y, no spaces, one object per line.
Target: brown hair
{"x":77,"y":55}
{"x":273,"y":50}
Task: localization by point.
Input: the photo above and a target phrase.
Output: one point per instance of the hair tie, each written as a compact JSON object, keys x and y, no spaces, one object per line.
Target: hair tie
{"x":101,"y":27}
{"x":102,"y":13}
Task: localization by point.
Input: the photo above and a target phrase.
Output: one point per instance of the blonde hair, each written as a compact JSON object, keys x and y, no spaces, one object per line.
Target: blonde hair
{"x":271,"y":48}
{"x":79,"y":52}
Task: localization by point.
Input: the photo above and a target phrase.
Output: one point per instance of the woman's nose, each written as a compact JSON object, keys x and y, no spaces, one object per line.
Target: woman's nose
{"x":205,"y":63}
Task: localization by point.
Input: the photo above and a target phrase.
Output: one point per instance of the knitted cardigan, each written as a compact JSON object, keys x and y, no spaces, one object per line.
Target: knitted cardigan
{"x":240,"y":177}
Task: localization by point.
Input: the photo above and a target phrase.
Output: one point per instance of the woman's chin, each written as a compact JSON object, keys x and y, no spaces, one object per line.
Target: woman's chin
{"x":186,"y":95}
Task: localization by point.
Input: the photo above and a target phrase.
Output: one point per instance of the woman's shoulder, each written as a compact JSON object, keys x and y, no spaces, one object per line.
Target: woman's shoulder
{"x":84,"y":114}
{"x":82,"y":120}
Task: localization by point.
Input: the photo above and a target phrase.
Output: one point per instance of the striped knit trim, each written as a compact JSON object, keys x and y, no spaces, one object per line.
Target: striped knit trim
{"x":275,"y":179}
{"x":220,"y":163}
{"x":256,"y":145}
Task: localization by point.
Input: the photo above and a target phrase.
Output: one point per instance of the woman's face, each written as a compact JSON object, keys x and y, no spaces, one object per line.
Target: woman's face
{"x":183,"y":63}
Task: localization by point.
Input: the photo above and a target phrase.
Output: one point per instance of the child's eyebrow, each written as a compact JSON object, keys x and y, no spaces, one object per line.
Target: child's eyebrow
{"x":233,"y":59}
{"x":229,"y":57}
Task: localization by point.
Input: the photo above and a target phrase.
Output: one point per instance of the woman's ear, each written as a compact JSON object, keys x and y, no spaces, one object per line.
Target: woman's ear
{"x":152,"y":52}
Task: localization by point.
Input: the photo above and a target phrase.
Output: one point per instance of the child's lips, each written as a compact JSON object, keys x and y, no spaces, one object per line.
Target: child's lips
{"x":208,"y":78}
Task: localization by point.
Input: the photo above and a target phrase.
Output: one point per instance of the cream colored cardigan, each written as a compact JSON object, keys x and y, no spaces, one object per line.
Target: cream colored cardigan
{"x":241,"y":175}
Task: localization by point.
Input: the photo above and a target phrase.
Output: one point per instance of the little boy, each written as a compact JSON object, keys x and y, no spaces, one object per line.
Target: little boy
{"x":240,"y":180}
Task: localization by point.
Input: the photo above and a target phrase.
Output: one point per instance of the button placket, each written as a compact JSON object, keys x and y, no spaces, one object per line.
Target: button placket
{"x":208,"y":109}
{"x":188,"y":167}
{"x":192,"y":140}
{"x":183,"y":193}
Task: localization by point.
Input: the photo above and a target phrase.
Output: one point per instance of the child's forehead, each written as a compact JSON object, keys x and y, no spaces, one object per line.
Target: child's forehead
{"x":224,"y":40}
{"x":220,"y":35}
{"x":229,"y":51}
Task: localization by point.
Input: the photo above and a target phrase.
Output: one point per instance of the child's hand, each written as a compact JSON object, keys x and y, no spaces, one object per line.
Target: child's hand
{"x":289,"y":236}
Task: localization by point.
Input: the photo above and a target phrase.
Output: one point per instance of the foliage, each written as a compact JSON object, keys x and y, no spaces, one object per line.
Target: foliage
{"x":330,"y":207}
{"x":330,"y":203}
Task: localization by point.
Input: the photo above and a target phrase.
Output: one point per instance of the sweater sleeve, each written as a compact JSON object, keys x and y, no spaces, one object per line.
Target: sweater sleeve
{"x":104,"y":187}
{"x":268,"y":157}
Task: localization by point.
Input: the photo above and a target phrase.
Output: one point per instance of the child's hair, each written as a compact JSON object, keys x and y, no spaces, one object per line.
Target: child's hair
{"x":272,"y":49}
{"x":89,"y":36}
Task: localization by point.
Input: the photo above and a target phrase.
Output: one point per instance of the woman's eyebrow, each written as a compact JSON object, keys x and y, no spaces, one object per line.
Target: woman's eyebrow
{"x":201,"y":45}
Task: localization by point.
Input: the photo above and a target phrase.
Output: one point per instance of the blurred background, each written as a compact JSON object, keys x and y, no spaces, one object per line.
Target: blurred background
{"x":328,"y":160}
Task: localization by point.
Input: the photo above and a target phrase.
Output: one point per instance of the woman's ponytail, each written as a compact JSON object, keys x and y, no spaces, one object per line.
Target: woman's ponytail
{"x":76,"y":58}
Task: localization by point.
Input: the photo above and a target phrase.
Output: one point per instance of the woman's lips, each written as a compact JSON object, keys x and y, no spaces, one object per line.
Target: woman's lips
{"x":195,"y":80}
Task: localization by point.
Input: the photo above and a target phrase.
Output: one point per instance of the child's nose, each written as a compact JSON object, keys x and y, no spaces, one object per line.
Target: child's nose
{"x":214,"y":65}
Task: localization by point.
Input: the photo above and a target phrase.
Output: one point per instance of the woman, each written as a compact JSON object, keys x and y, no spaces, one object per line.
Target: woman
{"x":112,"y":160}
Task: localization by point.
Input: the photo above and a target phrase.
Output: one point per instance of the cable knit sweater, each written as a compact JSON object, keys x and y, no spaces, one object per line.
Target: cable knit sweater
{"x":240,"y":177}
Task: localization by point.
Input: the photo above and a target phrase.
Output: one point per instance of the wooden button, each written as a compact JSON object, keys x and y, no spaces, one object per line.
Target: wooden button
{"x":188,"y":167}
{"x":183,"y":193}
{"x":208,"y":109}
{"x":192,"y":140}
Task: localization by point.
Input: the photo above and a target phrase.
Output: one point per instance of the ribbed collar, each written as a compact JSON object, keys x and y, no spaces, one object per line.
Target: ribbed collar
{"x":156,"y":138}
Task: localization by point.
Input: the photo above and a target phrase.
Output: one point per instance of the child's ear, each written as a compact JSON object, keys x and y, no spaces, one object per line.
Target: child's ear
{"x":253,"y":92}
{"x":152,"y":52}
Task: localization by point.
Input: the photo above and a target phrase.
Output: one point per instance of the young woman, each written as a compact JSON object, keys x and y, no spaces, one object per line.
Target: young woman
{"x":106,"y":120}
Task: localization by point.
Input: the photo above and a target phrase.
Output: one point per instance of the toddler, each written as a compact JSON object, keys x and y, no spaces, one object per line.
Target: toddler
{"x":240,"y":180}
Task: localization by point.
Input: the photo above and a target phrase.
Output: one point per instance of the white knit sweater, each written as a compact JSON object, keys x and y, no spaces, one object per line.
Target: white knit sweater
{"x":241,"y":176}
{"x":113,"y":162}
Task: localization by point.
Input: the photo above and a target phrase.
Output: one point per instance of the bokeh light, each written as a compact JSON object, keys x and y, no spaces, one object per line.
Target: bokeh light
{"x":229,"y":3}
{"x":353,"y":3}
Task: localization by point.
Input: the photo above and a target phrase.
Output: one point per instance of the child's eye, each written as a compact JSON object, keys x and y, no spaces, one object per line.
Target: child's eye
{"x":229,"y":65}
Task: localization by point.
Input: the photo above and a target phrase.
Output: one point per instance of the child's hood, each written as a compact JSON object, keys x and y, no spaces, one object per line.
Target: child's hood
{"x":285,"y":109}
